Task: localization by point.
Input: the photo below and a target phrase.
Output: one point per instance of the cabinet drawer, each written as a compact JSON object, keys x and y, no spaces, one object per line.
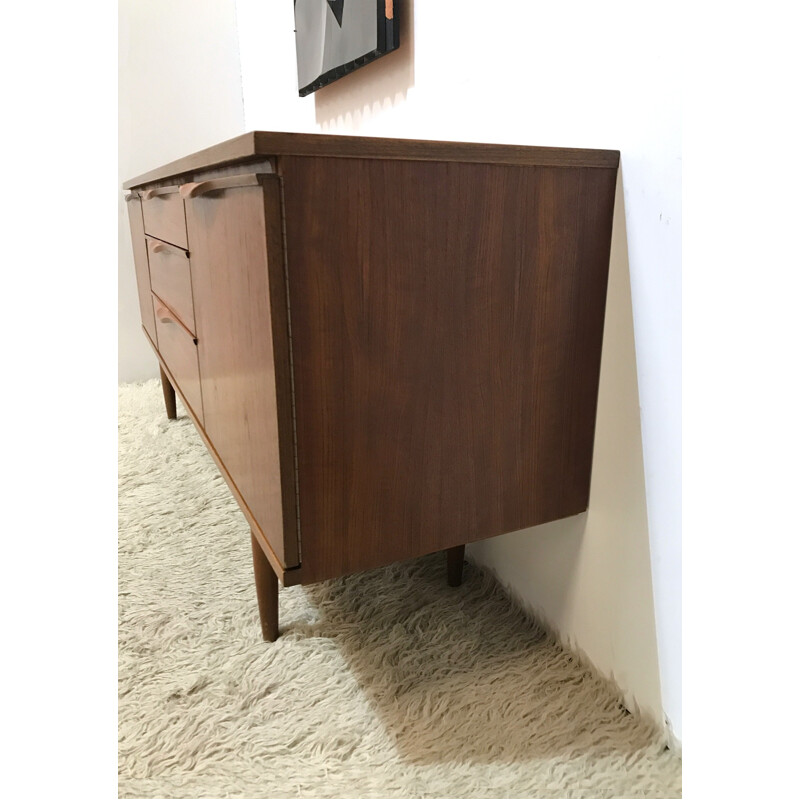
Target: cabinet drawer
{"x":164,"y":216}
{"x":179,"y":351}
{"x":171,"y":279}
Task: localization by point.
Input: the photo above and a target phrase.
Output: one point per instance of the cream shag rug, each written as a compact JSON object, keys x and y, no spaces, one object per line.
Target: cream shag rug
{"x":383,"y":684}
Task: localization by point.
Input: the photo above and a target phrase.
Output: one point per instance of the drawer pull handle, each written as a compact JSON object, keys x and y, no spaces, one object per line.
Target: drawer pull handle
{"x":162,"y":247}
{"x":149,"y":194}
{"x":164,"y":316}
{"x":131,"y":196}
{"x":189,"y":190}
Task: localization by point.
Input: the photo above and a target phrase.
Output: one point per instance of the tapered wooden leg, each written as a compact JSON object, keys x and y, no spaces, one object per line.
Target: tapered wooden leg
{"x":455,"y":565}
{"x":267,"y":591}
{"x":169,"y":395}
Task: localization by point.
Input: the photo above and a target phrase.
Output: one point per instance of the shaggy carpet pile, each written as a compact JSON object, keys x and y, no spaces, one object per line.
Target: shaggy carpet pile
{"x":383,"y":684}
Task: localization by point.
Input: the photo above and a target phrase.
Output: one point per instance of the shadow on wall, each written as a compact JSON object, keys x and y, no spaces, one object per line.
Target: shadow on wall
{"x":371,"y":89}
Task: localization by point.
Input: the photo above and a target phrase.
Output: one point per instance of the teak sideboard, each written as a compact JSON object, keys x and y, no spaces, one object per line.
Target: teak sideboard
{"x":389,"y":347}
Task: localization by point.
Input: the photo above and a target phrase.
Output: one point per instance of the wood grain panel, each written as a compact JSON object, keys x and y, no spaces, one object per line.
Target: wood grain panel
{"x":250,"y":147}
{"x":141,"y":264}
{"x":238,"y":280}
{"x":171,"y":279}
{"x":177,"y":346}
{"x":164,"y":218}
{"x":289,"y":577}
{"x":446,"y":326}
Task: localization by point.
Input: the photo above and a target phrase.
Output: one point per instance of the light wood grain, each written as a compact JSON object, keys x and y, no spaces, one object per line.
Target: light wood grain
{"x":171,"y":279}
{"x":178,"y":348}
{"x":199,"y":188}
{"x":149,"y":194}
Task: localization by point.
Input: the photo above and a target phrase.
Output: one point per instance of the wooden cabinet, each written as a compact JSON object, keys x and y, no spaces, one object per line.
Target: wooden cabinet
{"x":238,"y":279}
{"x":390,"y":347}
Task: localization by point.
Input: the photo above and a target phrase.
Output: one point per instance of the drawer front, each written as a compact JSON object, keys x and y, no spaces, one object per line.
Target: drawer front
{"x":171,"y":279}
{"x":141,"y":265}
{"x":164,"y":216}
{"x":179,"y":351}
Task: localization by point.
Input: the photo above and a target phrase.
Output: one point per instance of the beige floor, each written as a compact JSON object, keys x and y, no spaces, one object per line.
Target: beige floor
{"x":383,"y":684}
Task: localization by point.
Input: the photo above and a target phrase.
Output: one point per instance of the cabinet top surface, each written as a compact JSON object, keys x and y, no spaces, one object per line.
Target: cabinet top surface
{"x":262,"y":144}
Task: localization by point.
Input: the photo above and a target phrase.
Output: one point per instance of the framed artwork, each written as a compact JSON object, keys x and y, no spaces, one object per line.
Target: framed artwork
{"x":334,"y":37}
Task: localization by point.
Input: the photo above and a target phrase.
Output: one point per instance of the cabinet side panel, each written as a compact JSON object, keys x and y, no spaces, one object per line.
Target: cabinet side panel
{"x":142,"y":267}
{"x":446,"y":332}
{"x":239,"y":294}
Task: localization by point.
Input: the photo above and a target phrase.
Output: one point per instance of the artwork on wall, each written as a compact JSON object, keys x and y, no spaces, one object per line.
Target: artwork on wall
{"x":334,"y":37}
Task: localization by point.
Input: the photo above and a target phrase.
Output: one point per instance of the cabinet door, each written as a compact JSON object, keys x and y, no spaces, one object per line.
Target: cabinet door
{"x":140,"y":262}
{"x":238,"y":281}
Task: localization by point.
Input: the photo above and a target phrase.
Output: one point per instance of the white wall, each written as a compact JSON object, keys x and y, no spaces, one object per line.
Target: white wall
{"x":563,"y":74}
{"x":179,"y":91}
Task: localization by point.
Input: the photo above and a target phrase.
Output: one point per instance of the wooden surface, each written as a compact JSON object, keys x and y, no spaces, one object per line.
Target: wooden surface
{"x":240,"y":308}
{"x":288,"y":577}
{"x":258,"y":144}
{"x":446,"y":332}
{"x":168,"y":391}
{"x":256,"y":164}
{"x":446,"y":323}
{"x":171,"y":279}
{"x":164,"y":218}
{"x":141,"y":264}
{"x":266,"y":592}
{"x":455,"y":565}
{"x":176,"y":345}
{"x":198,"y":188}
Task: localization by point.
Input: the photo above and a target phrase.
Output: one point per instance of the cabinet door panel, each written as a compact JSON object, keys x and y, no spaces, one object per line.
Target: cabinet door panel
{"x":142,"y":267}
{"x":243,"y":345}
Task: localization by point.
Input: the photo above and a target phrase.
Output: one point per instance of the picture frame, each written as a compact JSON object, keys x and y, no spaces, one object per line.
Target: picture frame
{"x":335,"y":37}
